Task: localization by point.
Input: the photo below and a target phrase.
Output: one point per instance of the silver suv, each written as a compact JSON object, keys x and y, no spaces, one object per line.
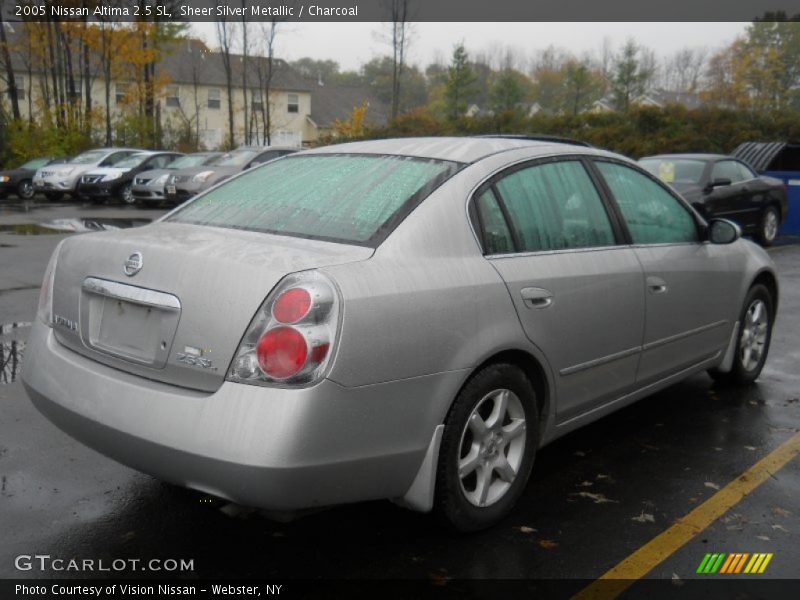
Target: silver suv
{"x":56,"y":180}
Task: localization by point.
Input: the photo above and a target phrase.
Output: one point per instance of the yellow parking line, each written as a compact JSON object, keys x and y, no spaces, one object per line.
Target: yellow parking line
{"x":620,"y":577}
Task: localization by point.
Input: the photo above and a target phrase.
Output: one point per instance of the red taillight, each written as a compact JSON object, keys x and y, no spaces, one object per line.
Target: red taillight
{"x":291,"y":306}
{"x":282,"y":352}
{"x":290,"y":339}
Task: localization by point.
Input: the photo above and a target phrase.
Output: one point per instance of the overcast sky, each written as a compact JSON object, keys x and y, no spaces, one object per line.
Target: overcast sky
{"x":352,"y":44}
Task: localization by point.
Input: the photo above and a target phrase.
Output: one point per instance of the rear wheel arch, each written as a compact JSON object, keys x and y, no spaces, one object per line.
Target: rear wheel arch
{"x":534,"y":372}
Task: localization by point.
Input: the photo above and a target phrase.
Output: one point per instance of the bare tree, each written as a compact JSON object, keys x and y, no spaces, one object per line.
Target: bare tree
{"x":265,"y":71}
{"x":398,"y":38}
{"x":224,"y":39}
{"x":5,"y":55}
{"x":248,"y":125}
{"x":683,"y":70}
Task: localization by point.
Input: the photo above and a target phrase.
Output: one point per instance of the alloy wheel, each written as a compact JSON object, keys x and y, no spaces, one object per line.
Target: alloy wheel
{"x":754,"y":335}
{"x":492,"y":447}
{"x":25,"y":190}
{"x":770,"y":225}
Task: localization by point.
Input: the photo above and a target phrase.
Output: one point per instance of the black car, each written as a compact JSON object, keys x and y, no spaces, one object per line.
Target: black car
{"x":722,"y":186}
{"x":19,"y":181}
{"x":116,"y":182}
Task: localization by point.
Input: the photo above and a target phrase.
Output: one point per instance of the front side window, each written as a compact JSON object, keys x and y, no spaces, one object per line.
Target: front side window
{"x":653,"y":215}
{"x":555,"y":206}
{"x":350,"y":198}
{"x":728,"y":169}
{"x":293,"y":105}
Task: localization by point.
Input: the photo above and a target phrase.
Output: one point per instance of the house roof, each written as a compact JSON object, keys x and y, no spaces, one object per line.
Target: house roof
{"x":190,"y":59}
{"x":331,"y":102}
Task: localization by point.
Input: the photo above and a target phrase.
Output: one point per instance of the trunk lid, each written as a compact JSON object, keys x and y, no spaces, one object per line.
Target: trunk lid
{"x":180,"y":317}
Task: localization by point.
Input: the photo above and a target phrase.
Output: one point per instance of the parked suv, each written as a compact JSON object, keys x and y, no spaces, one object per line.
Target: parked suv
{"x":58,"y":180}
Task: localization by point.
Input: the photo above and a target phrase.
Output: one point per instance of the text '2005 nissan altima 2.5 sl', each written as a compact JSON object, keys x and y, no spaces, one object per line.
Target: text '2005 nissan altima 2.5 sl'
{"x":404,"y":319}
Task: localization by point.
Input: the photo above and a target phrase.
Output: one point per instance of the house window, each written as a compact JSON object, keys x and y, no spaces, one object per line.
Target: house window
{"x":121,"y":92}
{"x":19,"y":80}
{"x":256,"y":101}
{"x":293,"y":105}
{"x":214,"y":98}
{"x":172,"y":96}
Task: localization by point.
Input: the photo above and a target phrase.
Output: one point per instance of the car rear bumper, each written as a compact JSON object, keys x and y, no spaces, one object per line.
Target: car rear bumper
{"x":280,"y":449}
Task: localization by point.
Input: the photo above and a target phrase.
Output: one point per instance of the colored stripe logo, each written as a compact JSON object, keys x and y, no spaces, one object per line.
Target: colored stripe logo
{"x":737,"y":562}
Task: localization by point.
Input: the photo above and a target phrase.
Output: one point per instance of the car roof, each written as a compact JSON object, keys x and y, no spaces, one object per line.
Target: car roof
{"x":459,"y":149}
{"x":692,"y":156}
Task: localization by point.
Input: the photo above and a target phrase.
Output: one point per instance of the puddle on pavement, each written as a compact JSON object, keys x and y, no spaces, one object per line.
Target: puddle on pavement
{"x":57,"y":226}
{"x":12,"y":347}
{"x":27,"y":229}
{"x":94,"y":224}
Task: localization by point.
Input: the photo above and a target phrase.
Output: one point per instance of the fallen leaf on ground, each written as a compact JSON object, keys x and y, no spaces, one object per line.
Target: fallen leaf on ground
{"x":597,"y":498}
{"x":711,"y":485}
{"x":526,"y":529}
{"x":751,"y":448}
{"x":777,"y":510}
{"x":644,"y":518}
{"x":763,"y":537}
{"x":547,"y":544}
{"x":781,"y":527}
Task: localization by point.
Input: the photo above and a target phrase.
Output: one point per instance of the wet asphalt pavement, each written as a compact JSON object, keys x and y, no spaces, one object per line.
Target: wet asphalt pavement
{"x":596,"y":495}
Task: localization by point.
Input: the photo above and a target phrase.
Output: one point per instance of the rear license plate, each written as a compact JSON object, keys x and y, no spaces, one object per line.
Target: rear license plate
{"x":129,"y":330}
{"x":170,"y":189}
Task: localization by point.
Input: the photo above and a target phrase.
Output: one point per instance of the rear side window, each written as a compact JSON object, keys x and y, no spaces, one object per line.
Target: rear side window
{"x":496,"y":234}
{"x":653,"y":215}
{"x":555,"y":206}
{"x":338,"y":197}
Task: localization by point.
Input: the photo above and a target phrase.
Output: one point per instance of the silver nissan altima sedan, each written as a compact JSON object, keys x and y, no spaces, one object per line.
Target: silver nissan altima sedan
{"x":408,"y":319}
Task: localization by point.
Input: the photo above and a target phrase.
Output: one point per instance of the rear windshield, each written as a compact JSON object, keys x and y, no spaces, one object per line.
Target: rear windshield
{"x":337,"y":197}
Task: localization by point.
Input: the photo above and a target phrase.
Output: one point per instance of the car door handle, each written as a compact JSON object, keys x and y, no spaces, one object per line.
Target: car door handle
{"x":536,"y":297}
{"x":656,"y":285}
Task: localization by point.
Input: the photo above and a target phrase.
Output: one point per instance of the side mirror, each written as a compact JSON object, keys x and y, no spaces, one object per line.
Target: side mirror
{"x":722,"y":231}
{"x":718,"y":182}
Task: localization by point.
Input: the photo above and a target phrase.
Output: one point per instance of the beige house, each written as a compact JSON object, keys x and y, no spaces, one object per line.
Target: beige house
{"x":193,"y":94}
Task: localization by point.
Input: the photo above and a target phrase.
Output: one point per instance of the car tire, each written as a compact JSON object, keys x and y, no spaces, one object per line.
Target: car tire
{"x":25,"y":189}
{"x":53,"y":196}
{"x":755,"y":334}
{"x":490,"y":439}
{"x":126,"y":194}
{"x":768,"y":226}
